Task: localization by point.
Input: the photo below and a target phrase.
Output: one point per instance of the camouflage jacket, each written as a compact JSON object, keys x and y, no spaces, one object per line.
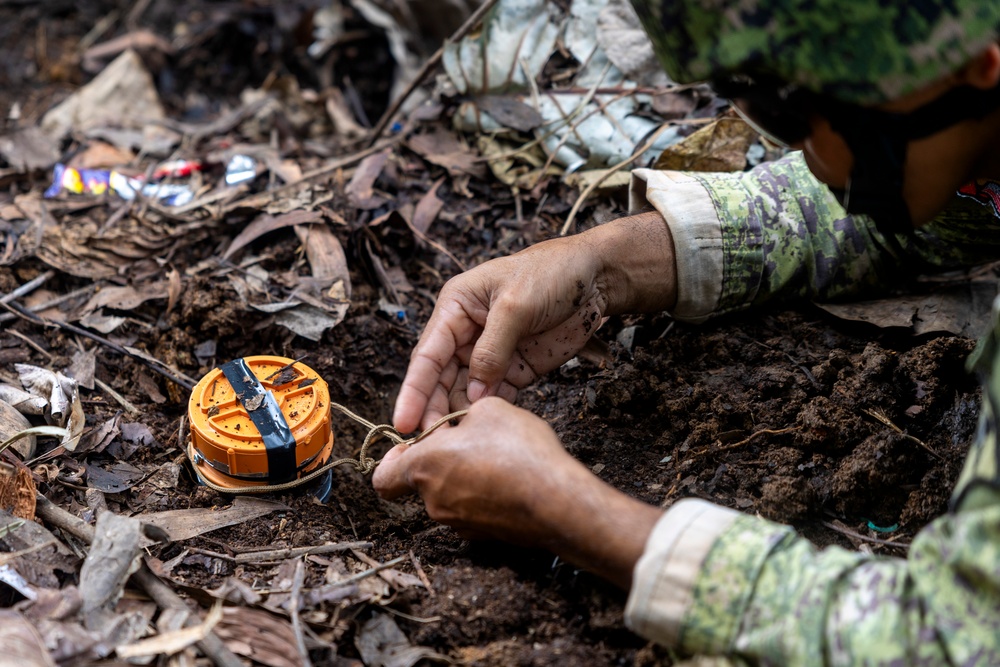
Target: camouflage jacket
{"x":714,"y":581}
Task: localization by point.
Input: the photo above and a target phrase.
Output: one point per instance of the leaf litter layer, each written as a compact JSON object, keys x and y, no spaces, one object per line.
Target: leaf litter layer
{"x":333,"y":254}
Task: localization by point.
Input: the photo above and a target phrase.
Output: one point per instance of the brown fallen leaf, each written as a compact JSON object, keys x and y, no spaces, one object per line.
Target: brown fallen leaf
{"x":17,"y":491}
{"x":445,"y":150}
{"x":428,"y":208}
{"x":963,"y":310}
{"x":260,"y":636}
{"x":511,"y":112}
{"x":185,"y":524}
{"x":327,"y":260}
{"x":720,"y":146}
{"x":265,"y":223}
{"x":28,"y":150}
{"x":382,"y":644}
{"x":101,"y":155}
{"x":13,"y":422}
{"x":22,"y":645}
{"x":124,"y":297}
{"x":360,"y":191}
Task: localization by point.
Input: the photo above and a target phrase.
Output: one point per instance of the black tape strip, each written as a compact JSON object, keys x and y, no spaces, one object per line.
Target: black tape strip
{"x":267,"y":417}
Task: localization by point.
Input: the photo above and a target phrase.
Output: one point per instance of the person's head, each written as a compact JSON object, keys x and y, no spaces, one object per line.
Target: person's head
{"x":896,"y":103}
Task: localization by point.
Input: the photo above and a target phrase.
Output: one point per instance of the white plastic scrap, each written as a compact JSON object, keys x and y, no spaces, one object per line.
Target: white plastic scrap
{"x":516,"y":42}
{"x":599,"y":118}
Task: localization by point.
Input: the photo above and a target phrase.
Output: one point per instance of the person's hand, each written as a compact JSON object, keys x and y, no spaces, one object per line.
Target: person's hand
{"x":499,"y":326}
{"x":502,"y":473}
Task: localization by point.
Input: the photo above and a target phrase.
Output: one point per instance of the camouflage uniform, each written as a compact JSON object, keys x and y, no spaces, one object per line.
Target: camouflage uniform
{"x":712,"y":580}
{"x":715,"y":581}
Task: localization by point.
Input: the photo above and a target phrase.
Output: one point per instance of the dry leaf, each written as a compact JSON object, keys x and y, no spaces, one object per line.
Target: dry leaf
{"x":113,"y":557}
{"x":963,"y":310}
{"x":720,"y":146}
{"x":445,"y":150}
{"x":260,"y":636}
{"x":510,"y":111}
{"x":13,"y":422}
{"x":101,"y":155}
{"x":266,"y":223}
{"x":382,"y":644}
{"x":360,"y":191}
{"x":22,"y":645}
{"x":184,"y":524}
{"x":174,"y":288}
{"x":28,"y":150}
{"x":17,"y":491}
{"x":168,"y":643}
{"x":122,"y":95}
{"x":83,"y":367}
{"x":124,"y":298}
{"x":327,"y":261}
{"x":428,"y":208}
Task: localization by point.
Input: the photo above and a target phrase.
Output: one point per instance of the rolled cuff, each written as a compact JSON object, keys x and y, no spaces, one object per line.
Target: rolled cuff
{"x":665,"y":576}
{"x":697,"y":235}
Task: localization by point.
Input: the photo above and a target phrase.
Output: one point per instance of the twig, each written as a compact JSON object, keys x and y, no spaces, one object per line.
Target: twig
{"x":295,"y":552}
{"x":122,"y":401}
{"x":263,"y":198}
{"x":858,"y":536}
{"x":32,"y":344}
{"x":300,"y":639}
{"x":162,"y":594}
{"x":174,"y":376}
{"x":209,"y":552}
{"x":367,"y":573}
{"x":28,"y":287}
{"x":6,"y":558}
{"x":53,"y":302}
{"x":421,"y":574}
{"x":618,"y":167}
{"x":883,"y":419}
{"x":431,"y":63}
{"x":415,"y":619}
{"x":737,"y":445}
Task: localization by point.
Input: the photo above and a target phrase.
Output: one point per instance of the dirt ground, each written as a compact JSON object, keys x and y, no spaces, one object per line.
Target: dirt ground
{"x":774,"y":413}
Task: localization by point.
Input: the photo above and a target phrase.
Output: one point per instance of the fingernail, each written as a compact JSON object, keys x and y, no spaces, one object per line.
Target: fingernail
{"x":475,"y":390}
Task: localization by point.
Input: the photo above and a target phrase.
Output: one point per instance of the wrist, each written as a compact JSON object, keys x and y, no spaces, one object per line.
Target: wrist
{"x":636,"y":264}
{"x":595,"y":526}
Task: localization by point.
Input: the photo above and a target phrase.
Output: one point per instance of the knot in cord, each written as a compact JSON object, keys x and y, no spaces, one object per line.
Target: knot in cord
{"x":364,"y":464}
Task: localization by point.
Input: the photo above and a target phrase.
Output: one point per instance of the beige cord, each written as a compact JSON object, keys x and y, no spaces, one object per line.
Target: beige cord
{"x":364,"y":463}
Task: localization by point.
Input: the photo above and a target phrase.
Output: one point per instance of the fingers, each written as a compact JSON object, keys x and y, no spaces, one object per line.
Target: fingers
{"x":494,"y":351}
{"x":390,"y":478}
{"x":449,"y":328}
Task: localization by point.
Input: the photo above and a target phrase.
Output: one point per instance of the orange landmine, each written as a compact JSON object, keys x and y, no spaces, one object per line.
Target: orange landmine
{"x":258,"y":421}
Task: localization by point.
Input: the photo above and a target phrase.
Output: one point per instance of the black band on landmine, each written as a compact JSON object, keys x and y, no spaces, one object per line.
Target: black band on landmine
{"x":267,"y":417}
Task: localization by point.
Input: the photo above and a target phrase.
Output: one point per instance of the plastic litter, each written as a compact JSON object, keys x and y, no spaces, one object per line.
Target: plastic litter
{"x":241,"y":168}
{"x":596,"y":120}
{"x":102,"y":181}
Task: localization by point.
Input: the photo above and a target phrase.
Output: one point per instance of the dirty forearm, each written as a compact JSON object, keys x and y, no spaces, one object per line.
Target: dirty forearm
{"x":636,"y":254}
{"x":598,"y":528}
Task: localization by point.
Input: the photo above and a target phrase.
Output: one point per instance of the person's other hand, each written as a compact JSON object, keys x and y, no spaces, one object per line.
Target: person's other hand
{"x":502,"y":473}
{"x":499,"y":326}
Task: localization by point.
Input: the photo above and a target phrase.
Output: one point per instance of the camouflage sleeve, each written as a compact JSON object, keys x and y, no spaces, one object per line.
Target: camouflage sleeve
{"x":713,"y":581}
{"x":775,"y":232}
